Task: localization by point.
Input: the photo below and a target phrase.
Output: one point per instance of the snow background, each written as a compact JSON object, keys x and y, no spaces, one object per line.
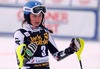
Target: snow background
{"x":90,"y":56}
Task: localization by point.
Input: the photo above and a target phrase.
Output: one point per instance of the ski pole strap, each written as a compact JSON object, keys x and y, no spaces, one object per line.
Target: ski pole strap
{"x":20,"y":57}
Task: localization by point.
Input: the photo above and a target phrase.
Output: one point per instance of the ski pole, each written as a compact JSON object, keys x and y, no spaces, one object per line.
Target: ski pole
{"x":80,"y":51}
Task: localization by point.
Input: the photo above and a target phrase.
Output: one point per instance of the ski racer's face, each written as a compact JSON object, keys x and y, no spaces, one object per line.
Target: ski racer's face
{"x":36,"y":19}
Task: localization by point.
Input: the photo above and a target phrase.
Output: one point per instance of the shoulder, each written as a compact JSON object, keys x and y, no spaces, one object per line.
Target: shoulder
{"x":18,"y":37}
{"x":21,"y":30}
{"x":48,"y":30}
{"x":19,"y":33}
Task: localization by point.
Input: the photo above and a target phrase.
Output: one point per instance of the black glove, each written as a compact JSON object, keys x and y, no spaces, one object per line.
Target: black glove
{"x":75,"y":45}
{"x":30,"y":50}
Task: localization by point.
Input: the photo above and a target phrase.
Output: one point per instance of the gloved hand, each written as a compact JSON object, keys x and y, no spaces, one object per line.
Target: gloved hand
{"x":75,"y":45}
{"x":30,"y":50}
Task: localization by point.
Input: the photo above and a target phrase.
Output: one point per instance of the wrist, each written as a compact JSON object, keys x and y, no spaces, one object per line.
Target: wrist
{"x":69,"y":50}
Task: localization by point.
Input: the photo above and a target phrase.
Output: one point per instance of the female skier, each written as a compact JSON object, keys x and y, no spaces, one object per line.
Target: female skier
{"x":33,"y":40}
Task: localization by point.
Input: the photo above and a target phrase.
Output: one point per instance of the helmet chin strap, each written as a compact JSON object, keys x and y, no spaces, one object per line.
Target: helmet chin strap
{"x":27,"y":18}
{"x":43,"y":20}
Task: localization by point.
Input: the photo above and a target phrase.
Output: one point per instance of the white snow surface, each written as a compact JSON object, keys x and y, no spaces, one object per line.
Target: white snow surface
{"x":90,"y":56}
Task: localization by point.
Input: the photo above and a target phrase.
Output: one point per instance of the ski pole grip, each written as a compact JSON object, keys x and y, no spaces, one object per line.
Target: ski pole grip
{"x":81,"y":47}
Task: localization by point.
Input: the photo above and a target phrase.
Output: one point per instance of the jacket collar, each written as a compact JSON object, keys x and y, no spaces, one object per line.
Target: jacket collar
{"x":28,"y":27}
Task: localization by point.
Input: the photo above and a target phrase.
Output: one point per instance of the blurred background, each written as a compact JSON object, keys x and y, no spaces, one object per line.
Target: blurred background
{"x":67,"y":19}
